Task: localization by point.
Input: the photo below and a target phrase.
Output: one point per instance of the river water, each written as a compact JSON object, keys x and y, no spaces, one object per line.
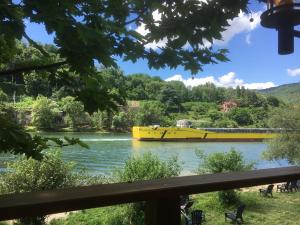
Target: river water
{"x":110,"y":151}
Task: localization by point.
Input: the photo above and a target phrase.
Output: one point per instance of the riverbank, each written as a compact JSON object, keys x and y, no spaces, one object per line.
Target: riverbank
{"x":74,"y":130}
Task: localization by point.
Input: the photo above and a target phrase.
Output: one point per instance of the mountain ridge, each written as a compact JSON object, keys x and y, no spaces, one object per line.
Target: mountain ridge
{"x":289,"y":93}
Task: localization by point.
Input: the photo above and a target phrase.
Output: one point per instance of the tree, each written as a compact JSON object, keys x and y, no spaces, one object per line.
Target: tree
{"x":102,"y":29}
{"x":37,"y":84}
{"x":287,"y":144}
{"x":150,"y":113}
{"x":99,"y":31}
{"x":29,"y":175}
{"x":221,"y":162}
{"x":74,"y":110}
{"x":44,"y":111}
{"x":273,"y":101}
{"x":215,"y":115}
{"x":101,"y":120}
{"x":120,"y":121}
{"x":225,"y":122}
{"x":170,"y":98}
{"x":240,"y":115}
{"x":145,"y":167}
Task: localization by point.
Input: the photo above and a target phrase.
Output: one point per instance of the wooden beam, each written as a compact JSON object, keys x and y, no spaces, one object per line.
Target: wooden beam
{"x":163,"y":211}
{"x":55,"y":201}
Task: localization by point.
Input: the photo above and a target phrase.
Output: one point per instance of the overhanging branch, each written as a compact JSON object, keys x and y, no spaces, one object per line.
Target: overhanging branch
{"x":36,"y":45}
{"x":30,"y":68}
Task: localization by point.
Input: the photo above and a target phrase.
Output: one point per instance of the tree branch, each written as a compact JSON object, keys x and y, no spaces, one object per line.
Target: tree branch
{"x":37,"y":46}
{"x":30,"y":68}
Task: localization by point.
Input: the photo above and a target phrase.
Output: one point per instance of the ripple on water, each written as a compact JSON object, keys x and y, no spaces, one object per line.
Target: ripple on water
{"x":109,"y":151}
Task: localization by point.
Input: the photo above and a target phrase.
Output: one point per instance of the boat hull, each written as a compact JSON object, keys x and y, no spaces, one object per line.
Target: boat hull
{"x":175,"y":134}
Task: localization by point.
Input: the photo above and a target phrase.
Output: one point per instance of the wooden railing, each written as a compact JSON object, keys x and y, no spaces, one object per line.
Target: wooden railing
{"x":161,"y":196}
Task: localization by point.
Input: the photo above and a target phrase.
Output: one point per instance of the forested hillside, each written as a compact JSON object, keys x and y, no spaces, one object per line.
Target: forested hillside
{"x":289,"y":93}
{"x":59,"y":99}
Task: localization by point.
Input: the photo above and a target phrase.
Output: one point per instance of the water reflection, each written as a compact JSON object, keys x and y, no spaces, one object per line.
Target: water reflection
{"x":109,"y":151}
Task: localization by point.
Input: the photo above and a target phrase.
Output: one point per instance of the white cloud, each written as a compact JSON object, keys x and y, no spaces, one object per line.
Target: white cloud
{"x":239,"y":25}
{"x":236,"y":26}
{"x":227,"y":80}
{"x":293,"y":72}
{"x":248,"y":39}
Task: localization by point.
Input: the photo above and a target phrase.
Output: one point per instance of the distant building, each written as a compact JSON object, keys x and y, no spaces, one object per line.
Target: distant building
{"x":183,"y":123}
{"x":133,"y":104}
{"x":228,"y":105}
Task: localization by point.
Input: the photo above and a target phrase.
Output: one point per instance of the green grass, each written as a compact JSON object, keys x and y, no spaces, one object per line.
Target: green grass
{"x":283,"y":208}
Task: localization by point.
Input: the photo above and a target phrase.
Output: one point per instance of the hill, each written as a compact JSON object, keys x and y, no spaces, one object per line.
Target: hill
{"x":289,"y":93}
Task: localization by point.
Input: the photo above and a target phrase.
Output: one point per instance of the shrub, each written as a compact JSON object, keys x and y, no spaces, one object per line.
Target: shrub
{"x":44,"y":111}
{"x":241,"y":115}
{"x":74,"y":110}
{"x":3,"y":96}
{"x":120,"y":121}
{"x":100,"y":120}
{"x":223,"y":162}
{"x":150,"y":113}
{"x":29,"y":175}
{"x":225,"y":122}
{"x":147,"y":166}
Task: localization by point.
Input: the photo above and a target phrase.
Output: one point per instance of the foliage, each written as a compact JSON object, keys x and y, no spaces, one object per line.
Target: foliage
{"x":215,"y":115}
{"x":15,"y":140}
{"x":121,"y":122}
{"x":3,"y":96}
{"x":101,"y":120}
{"x":287,"y":144}
{"x":208,"y":93}
{"x":225,"y":122}
{"x":150,"y":113}
{"x":44,"y":111}
{"x":74,"y":110}
{"x":221,"y":162}
{"x":29,"y":175}
{"x":37,"y":84}
{"x":25,"y":102}
{"x":170,"y":98}
{"x":289,"y":93}
{"x":146,"y":167}
{"x":241,"y":116}
{"x":104,"y":30}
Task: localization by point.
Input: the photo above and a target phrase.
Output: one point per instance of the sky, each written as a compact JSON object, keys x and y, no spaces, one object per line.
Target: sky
{"x":254,"y":61}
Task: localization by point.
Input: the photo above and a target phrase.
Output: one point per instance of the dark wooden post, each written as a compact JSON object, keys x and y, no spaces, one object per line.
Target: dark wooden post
{"x":163,"y":211}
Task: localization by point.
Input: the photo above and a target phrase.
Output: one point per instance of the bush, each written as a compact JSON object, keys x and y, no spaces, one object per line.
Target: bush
{"x":100,"y":120}
{"x":226,"y":123}
{"x":121,"y":122}
{"x":150,"y":113}
{"x":3,"y":96}
{"x":74,"y":111}
{"x":29,"y":175}
{"x":241,"y":115}
{"x":136,"y":168}
{"x":223,"y":162}
{"x":44,"y":111}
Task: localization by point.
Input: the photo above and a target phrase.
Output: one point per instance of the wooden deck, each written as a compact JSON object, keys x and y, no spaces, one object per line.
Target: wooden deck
{"x":161,"y":196}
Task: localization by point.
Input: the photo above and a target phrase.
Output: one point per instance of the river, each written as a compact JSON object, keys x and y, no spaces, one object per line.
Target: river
{"x":110,"y":151}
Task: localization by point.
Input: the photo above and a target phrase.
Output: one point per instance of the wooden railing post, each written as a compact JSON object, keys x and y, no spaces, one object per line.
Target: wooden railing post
{"x":163,"y":211}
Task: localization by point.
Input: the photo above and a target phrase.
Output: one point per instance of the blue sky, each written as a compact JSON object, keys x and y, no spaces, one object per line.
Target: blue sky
{"x":254,"y":61}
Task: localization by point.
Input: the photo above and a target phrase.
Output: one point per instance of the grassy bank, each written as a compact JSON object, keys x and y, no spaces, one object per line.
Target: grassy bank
{"x":283,"y":208}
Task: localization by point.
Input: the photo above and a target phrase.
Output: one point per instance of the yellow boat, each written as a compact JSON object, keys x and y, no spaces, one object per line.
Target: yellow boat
{"x":156,"y":133}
